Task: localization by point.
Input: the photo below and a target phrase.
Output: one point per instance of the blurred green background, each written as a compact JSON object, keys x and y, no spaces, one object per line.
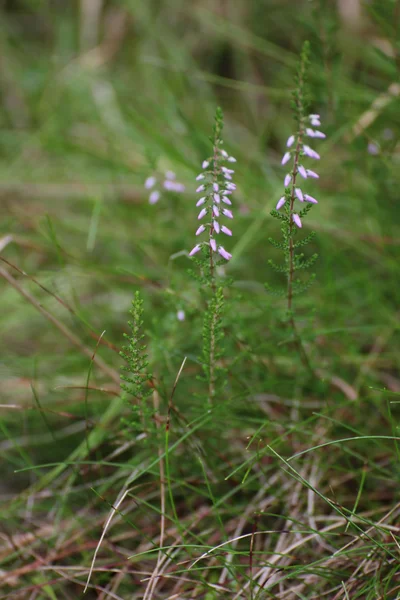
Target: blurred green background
{"x":98,"y":95}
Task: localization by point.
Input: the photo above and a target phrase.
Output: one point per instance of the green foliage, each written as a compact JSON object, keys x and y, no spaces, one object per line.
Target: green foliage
{"x":135,"y":376}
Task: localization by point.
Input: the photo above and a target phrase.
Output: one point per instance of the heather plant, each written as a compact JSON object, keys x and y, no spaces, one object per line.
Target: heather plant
{"x":298,"y":153}
{"x":171,"y":427}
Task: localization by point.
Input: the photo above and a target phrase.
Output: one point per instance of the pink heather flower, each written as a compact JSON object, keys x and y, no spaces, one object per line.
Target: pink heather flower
{"x":154,"y":197}
{"x":281,"y":202}
{"x":213,"y":244}
{"x":195,"y":249}
{"x":319,"y":134}
{"x":226,"y":230}
{"x":373,"y":148}
{"x":177,"y":187}
{"x":287,"y":181}
{"x":226,"y":192}
{"x":226,"y":200}
{"x":228,"y":176}
{"x":224,"y":153}
{"x":310,"y":132}
{"x":231,"y":186}
{"x":202,"y":213}
{"x":216,"y":226}
{"x":310,"y":152}
{"x":170,"y":175}
{"x":217,"y":198}
{"x":150,"y":182}
{"x":297,"y":220}
{"x":180,"y":315}
{"x":302,"y":171}
{"x":201,"y":201}
{"x":224,"y":253}
{"x":205,"y":164}
{"x":215,"y":187}
{"x":173,"y":186}
{"x":215,"y":210}
{"x":231,"y":159}
{"x":200,"y":230}
{"x":290,"y":141}
{"x":227,"y":213}
{"x":311,"y":199}
{"x":225,"y":170}
{"x":312,"y":174}
{"x":201,"y":188}
{"x":286,"y":158}
{"x":299,"y":194}
{"x":199,"y":177}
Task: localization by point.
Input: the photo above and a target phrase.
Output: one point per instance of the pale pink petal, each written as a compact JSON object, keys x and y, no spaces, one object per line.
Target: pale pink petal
{"x":224,"y":253}
{"x":201,"y":201}
{"x":299,"y":194}
{"x":201,"y":188}
{"x":205,"y":164}
{"x":154,"y":197}
{"x":290,"y":141}
{"x":287,"y":181}
{"x":200,"y":230}
{"x":195,"y":249}
{"x":227,"y":213}
{"x":297,"y":220}
{"x":302,"y":171}
{"x":281,"y":202}
{"x":216,"y":226}
{"x":311,"y":199}
{"x":202,"y":213}
{"x":149,"y":183}
{"x":213,"y":244}
{"x":226,"y":230}
{"x":286,"y":158}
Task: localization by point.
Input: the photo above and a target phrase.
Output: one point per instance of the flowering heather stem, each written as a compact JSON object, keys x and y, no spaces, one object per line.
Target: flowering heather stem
{"x":296,"y":151}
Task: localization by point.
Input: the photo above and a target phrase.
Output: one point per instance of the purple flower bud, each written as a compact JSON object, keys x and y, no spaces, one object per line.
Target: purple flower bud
{"x":310,"y":132}
{"x":312,"y":174}
{"x":297,"y":220}
{"x":195,"y":249}
{"x":319,"y":134}
{"x":154,"y":197}
{"x":310,"y":152}
{"x":199,"y":177}
{"x":311,"y":199}
{"x":201,"y":201}
{"x":290,"y":141}
{"x":231,"y":159}
{"x":216,"y":187}
{"x":216,"y":226}
{"x":224,"y":253}
{"x":287,"y":181}
{"x":149,"y":183}
{"x":213,"y":244}
{"x":205,"y":164}
{"x":299,"y":194}
{"x":314,"y":116}
{"x":227,"y":176}
{"x":202,"y":213}
{"x":373,"y":148}
{"x":177,"y":187}
{"x":286,"y":158}
{"x":226,"y":230}
{"x":226,"y":200}
{"x":200,"y":230}
{"x":180,"y":315}
{"x":201,"y":188}
{"x":226,"y":170}
{"x":231,"y":186}
{"x":302,"y":171}
{"x":281,"y":202}
{"x":227,"y":213}
{"x":226,"y":192}
{"x":170,"y":175}
{"x":217,"y":198}
{"x":224,"y":153}
{"x":215,"y":210}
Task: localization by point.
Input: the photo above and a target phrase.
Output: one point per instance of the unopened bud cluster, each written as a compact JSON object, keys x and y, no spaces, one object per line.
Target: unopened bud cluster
{"x":298,"y":150}
{"x":169,"y":184}
{"x":215,"y":187}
